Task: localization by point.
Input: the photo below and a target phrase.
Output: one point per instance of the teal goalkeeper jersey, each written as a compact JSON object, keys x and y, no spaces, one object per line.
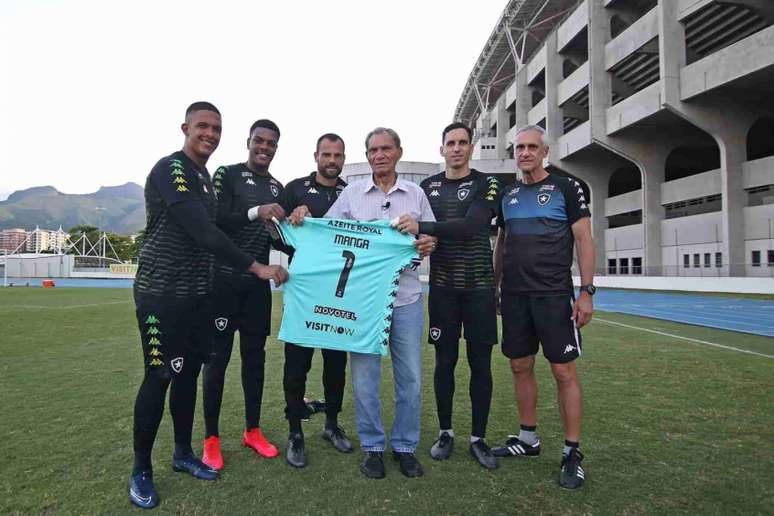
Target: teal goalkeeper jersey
{"x":343,"y":280}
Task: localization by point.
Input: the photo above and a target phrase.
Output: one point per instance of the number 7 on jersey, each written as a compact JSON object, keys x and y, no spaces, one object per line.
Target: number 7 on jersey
{"x":349,"y":262}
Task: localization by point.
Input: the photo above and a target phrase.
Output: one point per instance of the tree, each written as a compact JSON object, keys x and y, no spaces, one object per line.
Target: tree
{"x":123,"y":245}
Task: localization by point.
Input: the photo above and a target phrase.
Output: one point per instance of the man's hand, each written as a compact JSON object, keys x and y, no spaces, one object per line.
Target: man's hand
{"x":297,"y":216}
{"x":582,"y":310}
{"x":425,"y":245}
{"x":406,"y":224}
{"x":266,"y":212}
{"x":270,"y":272}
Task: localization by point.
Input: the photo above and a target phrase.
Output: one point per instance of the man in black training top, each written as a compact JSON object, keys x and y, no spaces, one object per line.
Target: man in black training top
{"x":313,"y":195}
{"x":462,"y":289}
{"x":172,"y":294}
{"x":247,"y":196}
{"x":541,"y":218}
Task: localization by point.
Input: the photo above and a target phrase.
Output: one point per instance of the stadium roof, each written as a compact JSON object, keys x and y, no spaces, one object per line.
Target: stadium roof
{"x":520,"y":31}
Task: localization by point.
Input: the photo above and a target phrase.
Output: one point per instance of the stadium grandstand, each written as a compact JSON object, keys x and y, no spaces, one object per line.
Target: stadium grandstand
{"x":662,"y":108}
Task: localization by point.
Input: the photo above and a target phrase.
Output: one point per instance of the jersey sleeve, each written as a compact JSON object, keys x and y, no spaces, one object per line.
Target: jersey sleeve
{"x":230,"y":217}
{"x":576,"y":204}
{"x":489,"y":195}
{"x":174,"y":183}
{"x":500,"y":217}
{"x":287,"y":234}
{"x":287,"y":199}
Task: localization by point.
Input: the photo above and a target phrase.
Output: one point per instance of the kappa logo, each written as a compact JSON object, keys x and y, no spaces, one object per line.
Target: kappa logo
{"x":221,"y":323}
{"x":583,"y":206}
{"x":582,"y":199}
{"x":177,"y":364}
{"x":434,"y":193}
{"x":462,"y":194}
{"x":249,"y":181}
{"x":152,"y":319}
{"x":543,"y":198}
{"x":513,"y":201}
{"x":312,"y":190}
{"x":182,"y":188}
{"x":274,"y":190}
{"x":435,"y":333}
{"x":569,"y":348}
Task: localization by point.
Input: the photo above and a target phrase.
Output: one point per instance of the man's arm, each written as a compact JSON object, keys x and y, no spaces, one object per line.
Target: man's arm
{"x":232,"y":216}
{"x":192,"y":216}
{"x":227,"y":219}
{"x":476,"y":218}
{"x":497,"y":263}
{"x":584,"y":244}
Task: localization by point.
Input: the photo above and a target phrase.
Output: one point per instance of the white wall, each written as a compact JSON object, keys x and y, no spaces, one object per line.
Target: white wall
{"x":731,"y":285}
{"x":626,"y":238}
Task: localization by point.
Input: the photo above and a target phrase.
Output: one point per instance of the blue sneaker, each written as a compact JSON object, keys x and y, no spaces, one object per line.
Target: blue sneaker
{"x":194,"y":467}
{"x":141,"y":490}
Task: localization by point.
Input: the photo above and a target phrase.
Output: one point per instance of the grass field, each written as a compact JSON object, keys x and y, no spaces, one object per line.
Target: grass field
{"x":671,"y":426}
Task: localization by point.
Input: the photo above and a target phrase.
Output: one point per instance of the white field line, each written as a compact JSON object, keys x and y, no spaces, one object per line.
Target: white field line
{"x":689,"y":339}
{"x":66,"y":307}
{"x":691,"y":313}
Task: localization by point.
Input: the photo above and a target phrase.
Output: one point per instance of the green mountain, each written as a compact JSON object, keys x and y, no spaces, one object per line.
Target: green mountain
{"x":117,"y":209}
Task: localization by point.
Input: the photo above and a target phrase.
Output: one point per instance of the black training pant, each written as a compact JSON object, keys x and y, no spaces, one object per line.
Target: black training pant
{"x":298,"y":361}
{"x":243,"y":305}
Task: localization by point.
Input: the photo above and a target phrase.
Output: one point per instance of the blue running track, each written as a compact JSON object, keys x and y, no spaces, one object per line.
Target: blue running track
{"x":754,"y":316}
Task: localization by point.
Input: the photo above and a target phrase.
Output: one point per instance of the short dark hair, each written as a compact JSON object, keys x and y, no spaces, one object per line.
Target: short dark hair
{"x":456,"y":125}
{"x":384,"y":130}
{"x":331,"y":137}
{"x":265,"y":123}
{"x":201,"y":106}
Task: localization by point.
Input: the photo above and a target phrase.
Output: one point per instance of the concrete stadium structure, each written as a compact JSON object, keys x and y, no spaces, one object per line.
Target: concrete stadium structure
{"x":662,"y":108}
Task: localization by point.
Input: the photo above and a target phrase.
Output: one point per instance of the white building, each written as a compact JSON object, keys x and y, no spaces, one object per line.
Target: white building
{"x":662,"y":108}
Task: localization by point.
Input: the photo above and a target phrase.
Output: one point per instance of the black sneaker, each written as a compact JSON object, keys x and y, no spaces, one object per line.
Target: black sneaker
{"x":442,"y":447}
{"x":295,"y":454}
{"x":514,"y":447}
{"x":409,"y":465}
{"x":481,"y":452}
{"x":373,"y":465}
{"x":338,"y":439}
{"x":141,"y":490}
{"x":572,"y":475}
{"x":314,"y":406}
{"x":194,"y":467}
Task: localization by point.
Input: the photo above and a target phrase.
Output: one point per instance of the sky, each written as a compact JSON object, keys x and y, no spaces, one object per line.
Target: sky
{"x":92,"y":93}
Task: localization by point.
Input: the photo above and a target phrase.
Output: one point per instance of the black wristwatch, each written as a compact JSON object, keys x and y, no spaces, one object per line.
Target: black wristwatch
{"x":589,"y":289}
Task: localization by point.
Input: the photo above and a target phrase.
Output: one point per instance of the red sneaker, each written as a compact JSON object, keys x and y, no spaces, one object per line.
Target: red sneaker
{"x":211,"y":454}
{"x":254,"y":439}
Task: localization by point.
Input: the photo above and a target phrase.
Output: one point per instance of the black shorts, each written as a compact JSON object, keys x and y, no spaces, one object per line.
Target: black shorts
{"x":451,"y":310}
{"x":240,"y":304}
{"x":173,"y":329}
{"x":529,"y":320}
